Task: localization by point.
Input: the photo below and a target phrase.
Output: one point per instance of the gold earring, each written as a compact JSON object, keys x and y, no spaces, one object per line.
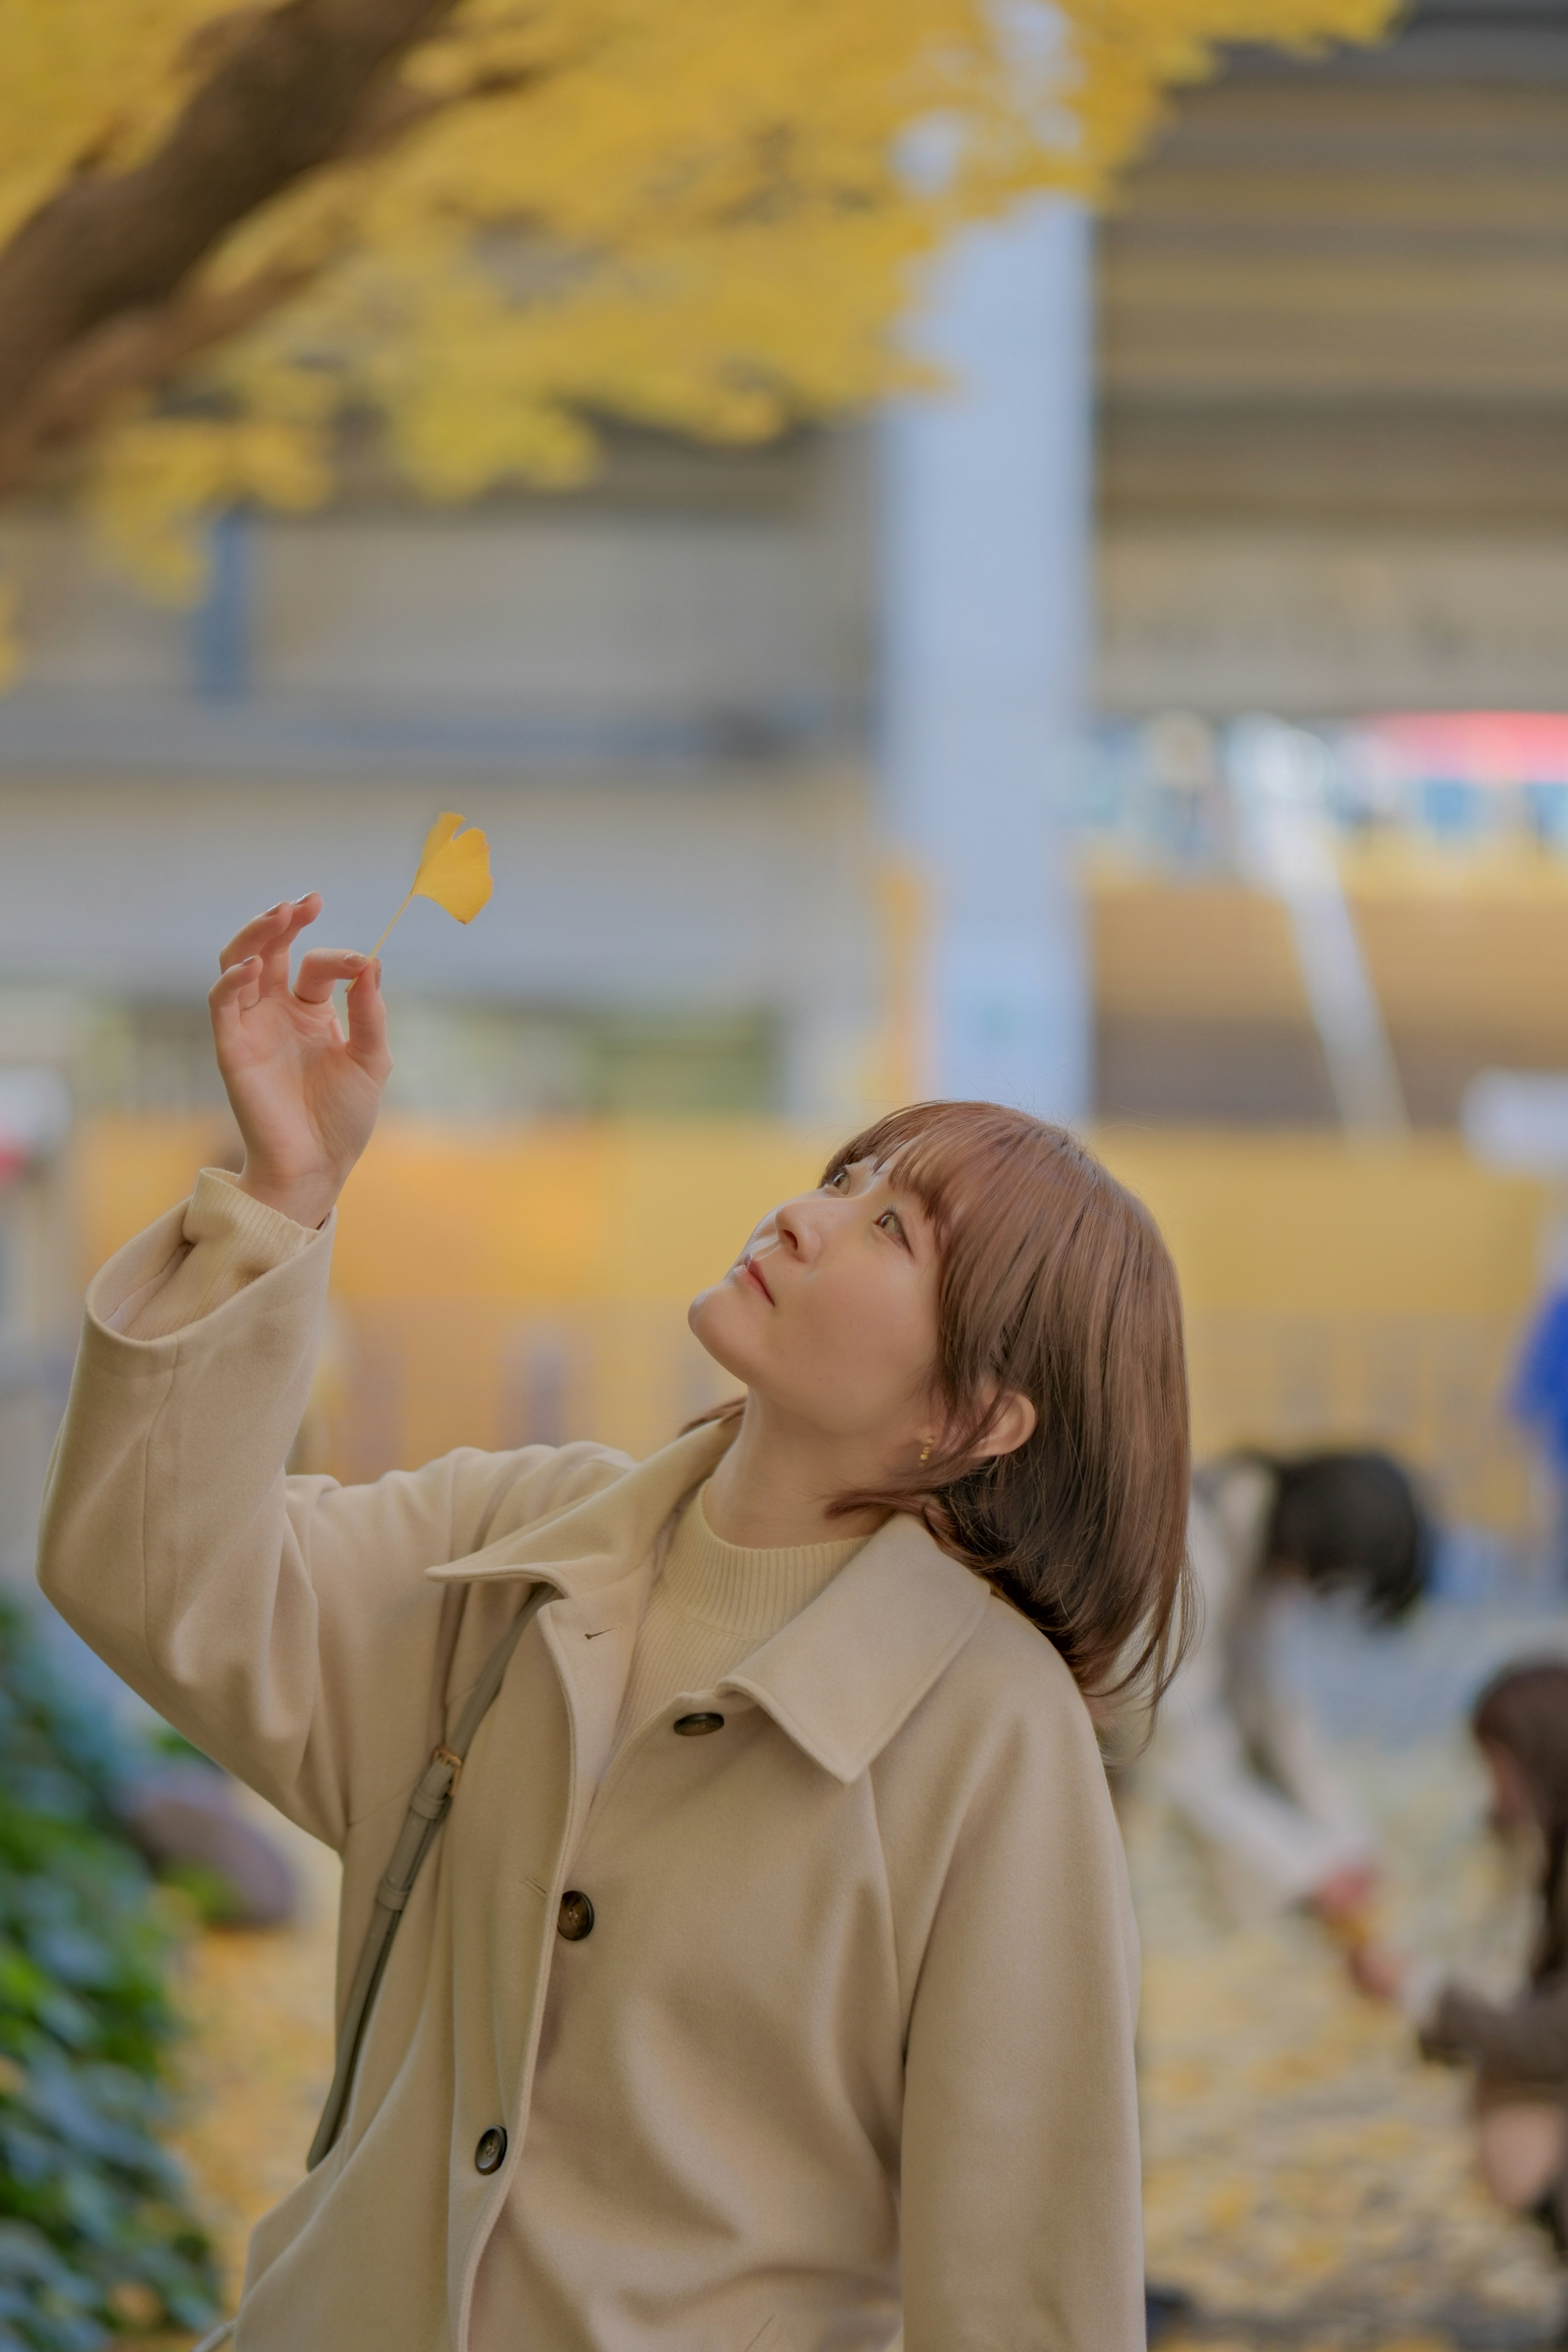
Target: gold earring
{"x":926,"y":1453}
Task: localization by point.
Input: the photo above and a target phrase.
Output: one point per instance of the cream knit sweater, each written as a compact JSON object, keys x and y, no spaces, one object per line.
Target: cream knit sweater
{"x":713,"y":1602}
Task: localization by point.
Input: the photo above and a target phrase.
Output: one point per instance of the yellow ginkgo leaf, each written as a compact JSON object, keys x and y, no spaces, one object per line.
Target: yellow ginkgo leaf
{"x":453,"y":870}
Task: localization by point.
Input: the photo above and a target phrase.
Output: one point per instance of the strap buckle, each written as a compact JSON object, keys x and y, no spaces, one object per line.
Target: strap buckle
{"x":445,"y":1756}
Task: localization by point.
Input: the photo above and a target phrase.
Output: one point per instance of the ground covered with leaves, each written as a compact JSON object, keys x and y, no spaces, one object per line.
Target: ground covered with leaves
{"x":1309,"y":2180}
{"x":98,"y":2234}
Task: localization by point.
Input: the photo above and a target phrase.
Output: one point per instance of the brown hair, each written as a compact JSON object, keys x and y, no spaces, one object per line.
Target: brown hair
{"x":1524,"y":1711}
{"x":1055,"y":1282}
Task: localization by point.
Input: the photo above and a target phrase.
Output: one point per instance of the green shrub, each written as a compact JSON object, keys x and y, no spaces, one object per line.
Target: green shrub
{"x":96,"y":2234}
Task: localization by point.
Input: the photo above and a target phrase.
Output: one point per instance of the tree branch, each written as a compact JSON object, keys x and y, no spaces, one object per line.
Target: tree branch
{"x":137,"y":349}
{"x":292,"y":89}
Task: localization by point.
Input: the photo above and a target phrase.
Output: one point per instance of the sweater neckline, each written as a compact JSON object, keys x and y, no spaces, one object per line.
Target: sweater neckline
{"x":742,"y":1588}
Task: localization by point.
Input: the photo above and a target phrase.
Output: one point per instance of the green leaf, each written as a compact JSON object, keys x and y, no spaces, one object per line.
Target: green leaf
{"x":95,"y":2226}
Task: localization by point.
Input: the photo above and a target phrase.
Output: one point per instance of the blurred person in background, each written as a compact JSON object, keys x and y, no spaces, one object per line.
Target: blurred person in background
{"x":1237,"y":1751}
{"x":1539,"y":1398}
{"x":1517,"y":2050}
{"x":812,"y":2021}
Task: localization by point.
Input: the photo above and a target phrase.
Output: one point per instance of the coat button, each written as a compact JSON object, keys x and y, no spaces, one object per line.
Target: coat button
{"x":576,"y":1918}
{"x":491,"y":2152}
{"x":693,"y":1726}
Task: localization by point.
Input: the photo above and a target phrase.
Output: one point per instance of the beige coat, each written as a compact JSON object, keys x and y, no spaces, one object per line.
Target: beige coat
{"x":850,"y":2040}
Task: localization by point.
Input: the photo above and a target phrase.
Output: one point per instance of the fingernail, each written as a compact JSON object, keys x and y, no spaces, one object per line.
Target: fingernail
{"x":273,"y":910}
{"x":354,"y":956}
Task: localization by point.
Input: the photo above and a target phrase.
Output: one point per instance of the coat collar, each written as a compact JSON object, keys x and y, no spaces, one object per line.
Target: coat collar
{"x":842,"y":1676}
{"x":847,"y":1673}
{"x":605,"y":1536}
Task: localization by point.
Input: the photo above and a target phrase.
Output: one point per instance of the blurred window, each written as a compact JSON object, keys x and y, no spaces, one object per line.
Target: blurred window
{"x":478,"y":1061}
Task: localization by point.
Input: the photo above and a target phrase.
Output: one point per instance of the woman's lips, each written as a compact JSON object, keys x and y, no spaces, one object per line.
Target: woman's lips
{"x":750,"y":1273}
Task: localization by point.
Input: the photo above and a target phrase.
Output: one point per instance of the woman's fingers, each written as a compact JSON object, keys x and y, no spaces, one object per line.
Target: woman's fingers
{"x":322,"y":969}
{"x":275,"y":948}
{"x":368,"y":1021}
{"x":231,"y":996}
{"x":240,"y":984}
{"x":246,"y":941}
{"x":271,"y":936}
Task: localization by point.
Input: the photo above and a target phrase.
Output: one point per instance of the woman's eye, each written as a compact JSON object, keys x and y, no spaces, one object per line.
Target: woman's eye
{"x":889,"y":1222}
{"x":839,"y":1183}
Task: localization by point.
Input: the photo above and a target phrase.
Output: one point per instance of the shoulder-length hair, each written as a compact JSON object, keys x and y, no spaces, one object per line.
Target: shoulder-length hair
{"x":1054,"y":1281}
{"x":1524,"y":1711}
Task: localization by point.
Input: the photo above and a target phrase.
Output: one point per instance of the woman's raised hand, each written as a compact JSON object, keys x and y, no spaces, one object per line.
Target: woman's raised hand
{"x":305,"y":1095}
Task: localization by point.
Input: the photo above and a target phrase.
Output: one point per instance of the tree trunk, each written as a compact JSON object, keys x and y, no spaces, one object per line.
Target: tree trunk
{"x":287,"y":96}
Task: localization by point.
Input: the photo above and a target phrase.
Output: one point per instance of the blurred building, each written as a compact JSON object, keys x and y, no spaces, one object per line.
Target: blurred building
{"x":652,"y":695}
{"x":1333,"y":478}
{"x":1333,"y":359}
{"x":1333,"y":481}
{"x":1323,"y":356}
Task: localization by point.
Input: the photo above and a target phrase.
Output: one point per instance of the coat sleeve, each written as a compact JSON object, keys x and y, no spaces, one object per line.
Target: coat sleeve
{"x":227,"y":1241}
{"x":1287,"y":1839}
{"x":1021,"y":2188}
{"x":285,"y":1625}
{"x":1286,"y":1849}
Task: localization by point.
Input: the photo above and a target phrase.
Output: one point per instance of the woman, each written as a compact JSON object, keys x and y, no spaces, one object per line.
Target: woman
{"x":770,"y":1987}
{"x":1518,"y":2049}
{"x":1238,"y":1753}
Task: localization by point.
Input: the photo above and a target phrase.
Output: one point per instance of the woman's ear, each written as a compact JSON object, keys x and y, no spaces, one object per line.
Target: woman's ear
{"x":1014,"y":1426}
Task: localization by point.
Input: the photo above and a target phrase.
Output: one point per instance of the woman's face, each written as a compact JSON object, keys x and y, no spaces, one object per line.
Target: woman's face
{"x":829,"y":1312}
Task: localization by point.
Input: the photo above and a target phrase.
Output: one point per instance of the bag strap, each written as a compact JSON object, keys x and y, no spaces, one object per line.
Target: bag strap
{"x":427,"y":1808}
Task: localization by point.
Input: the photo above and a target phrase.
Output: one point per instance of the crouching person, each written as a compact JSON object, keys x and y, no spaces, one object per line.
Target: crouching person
{"x":1517,"y":2050}
{"x":1236,"y":1753}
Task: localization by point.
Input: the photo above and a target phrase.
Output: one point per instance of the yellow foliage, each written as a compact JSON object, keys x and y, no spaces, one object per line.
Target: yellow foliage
{"x":162,"y":478}
{"x":705,"y":217}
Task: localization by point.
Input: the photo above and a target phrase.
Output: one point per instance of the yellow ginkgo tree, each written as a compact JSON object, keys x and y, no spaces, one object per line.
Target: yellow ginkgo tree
{"x":233,"y":239}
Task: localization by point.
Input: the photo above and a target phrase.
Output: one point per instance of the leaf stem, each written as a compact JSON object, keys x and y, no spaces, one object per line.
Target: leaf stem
{"x":391,"y":926}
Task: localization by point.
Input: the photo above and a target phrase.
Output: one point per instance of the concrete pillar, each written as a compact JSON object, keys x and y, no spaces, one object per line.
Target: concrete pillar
{"x":222,"y":624}
{"x":984,"y":598}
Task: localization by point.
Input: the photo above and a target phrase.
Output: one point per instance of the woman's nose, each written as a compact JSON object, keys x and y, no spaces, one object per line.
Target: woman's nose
{"x":797,"y":1228}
